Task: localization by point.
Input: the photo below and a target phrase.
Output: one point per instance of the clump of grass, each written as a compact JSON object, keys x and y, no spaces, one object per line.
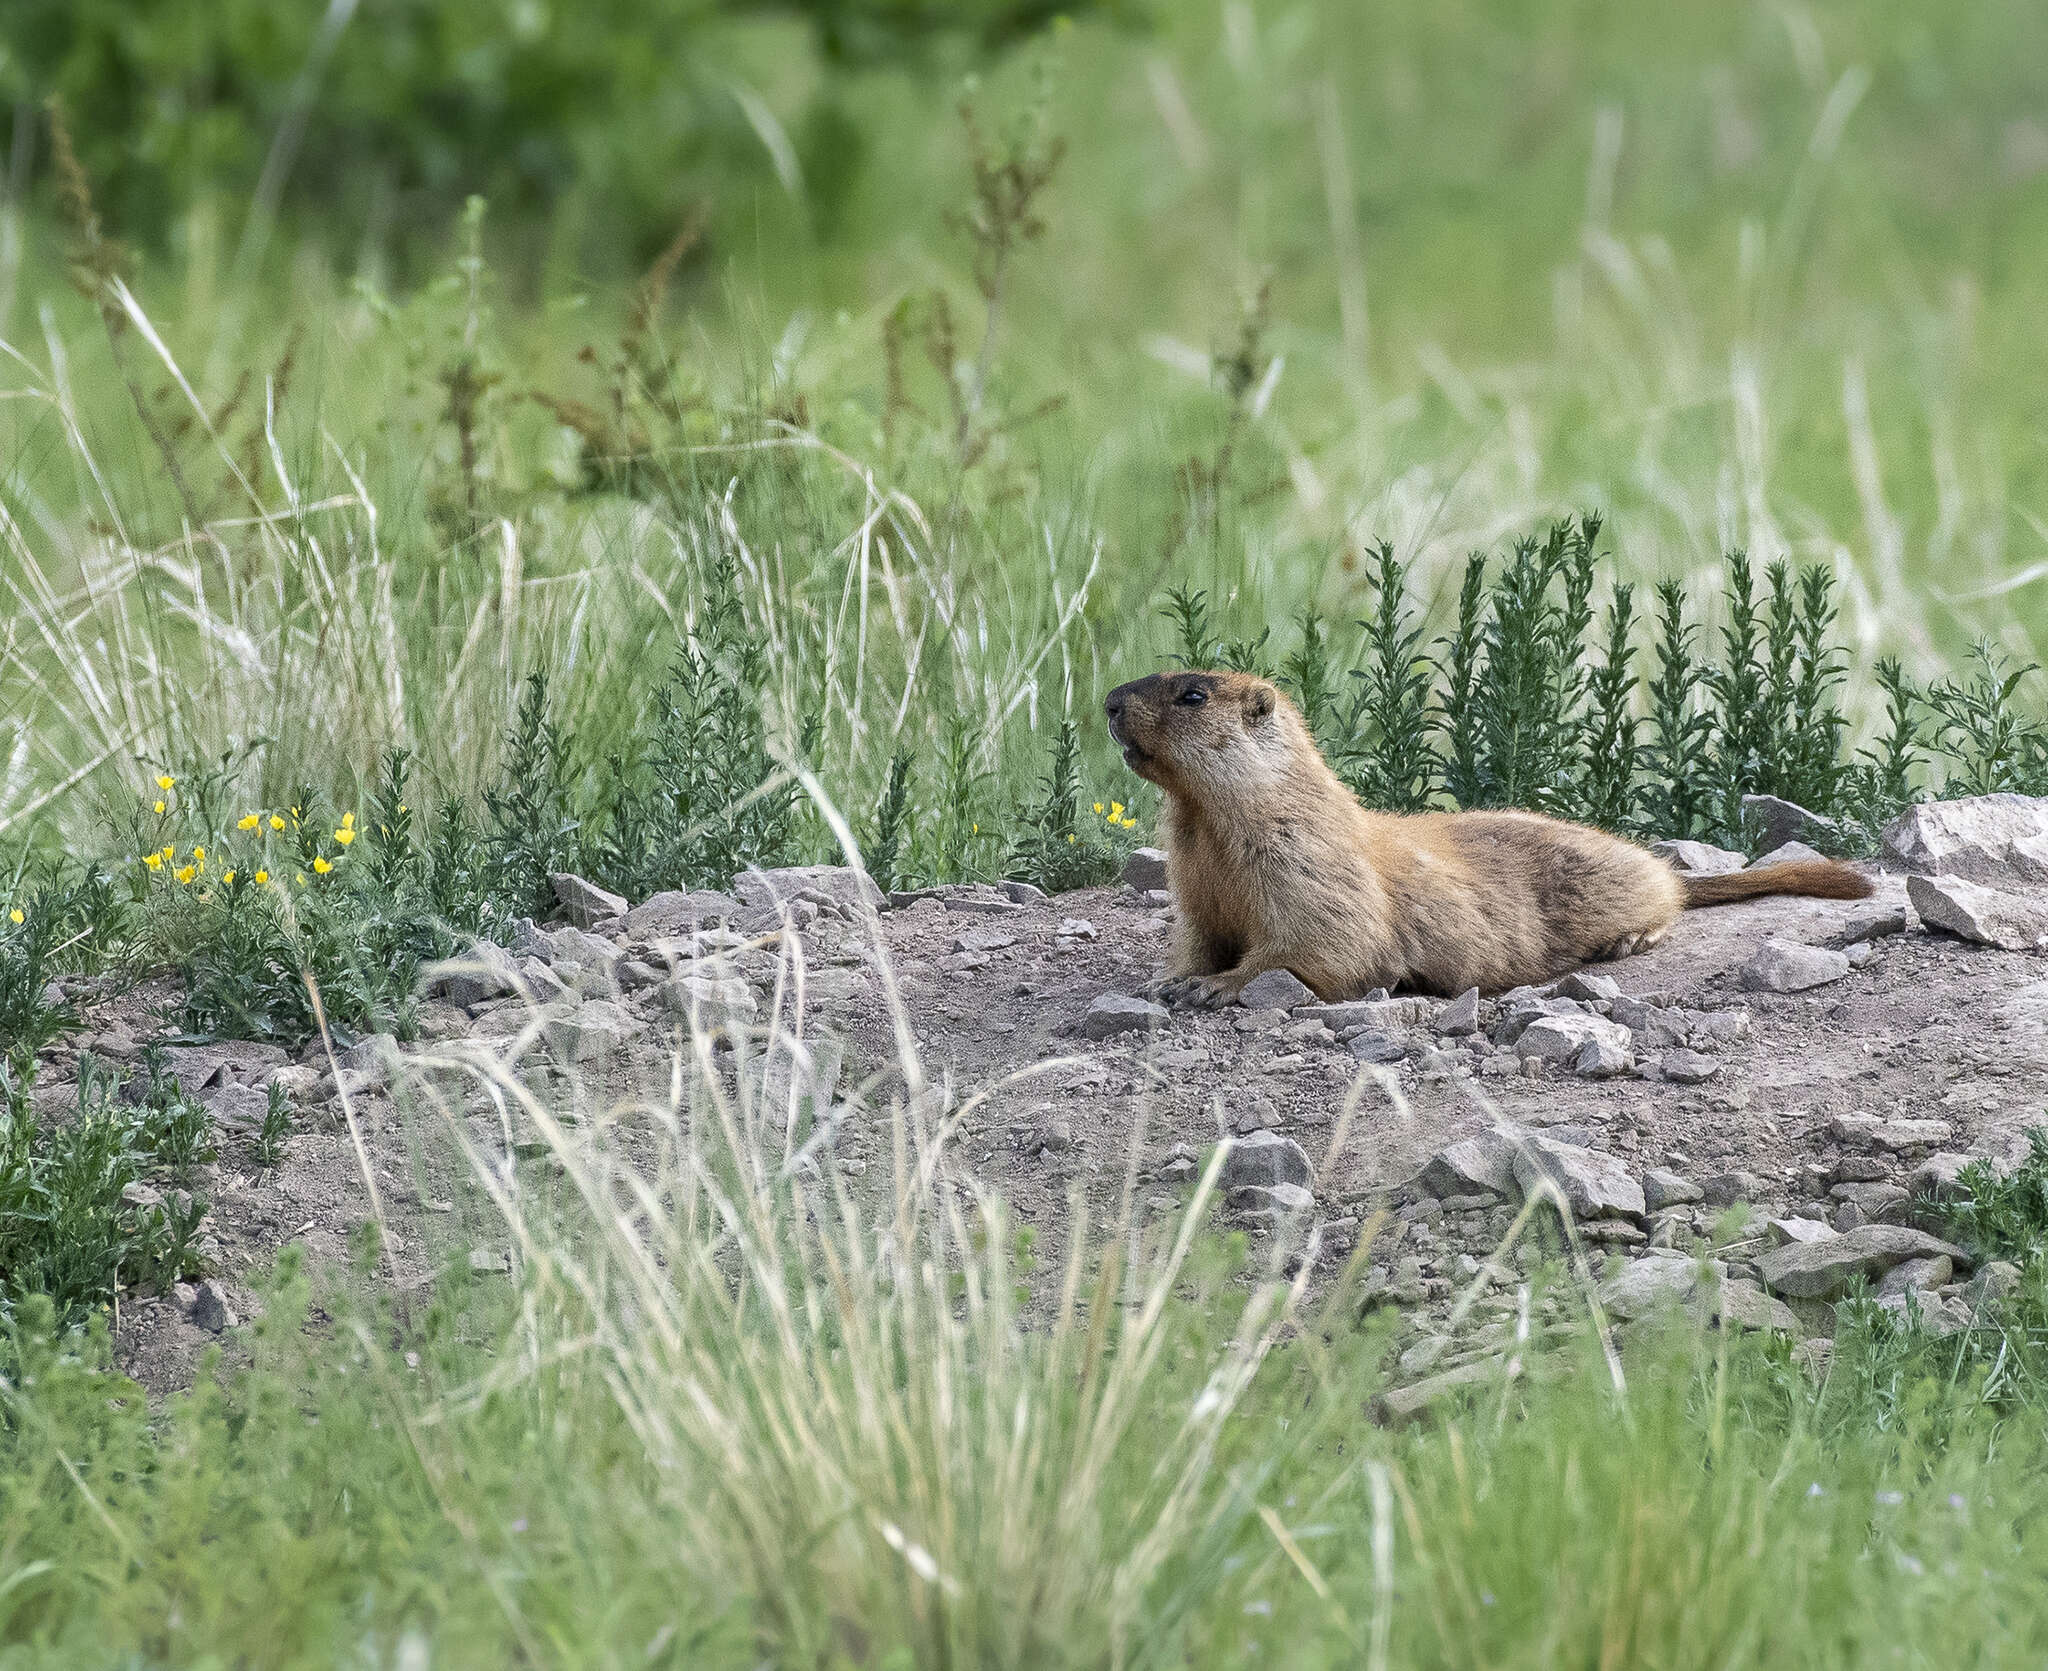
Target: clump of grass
{"x":1056,"y":847}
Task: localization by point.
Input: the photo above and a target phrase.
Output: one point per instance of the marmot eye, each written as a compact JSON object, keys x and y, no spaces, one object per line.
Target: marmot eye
{"x":1193,"y":698}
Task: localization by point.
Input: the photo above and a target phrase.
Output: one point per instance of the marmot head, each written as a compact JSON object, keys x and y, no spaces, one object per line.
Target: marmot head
{"x":1205,"y":733}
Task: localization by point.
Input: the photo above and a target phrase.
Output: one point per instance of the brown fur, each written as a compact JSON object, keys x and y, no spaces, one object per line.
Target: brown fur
{"x":1274,"y":864}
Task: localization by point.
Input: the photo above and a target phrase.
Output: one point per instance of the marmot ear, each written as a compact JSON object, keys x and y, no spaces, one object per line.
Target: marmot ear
{"x":1258,"y":705}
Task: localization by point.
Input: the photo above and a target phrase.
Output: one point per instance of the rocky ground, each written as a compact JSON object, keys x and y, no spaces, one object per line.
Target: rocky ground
{"x":1829,"y":1067}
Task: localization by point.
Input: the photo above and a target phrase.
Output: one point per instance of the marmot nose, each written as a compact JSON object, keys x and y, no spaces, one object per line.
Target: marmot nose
{"x":1113,"y":704}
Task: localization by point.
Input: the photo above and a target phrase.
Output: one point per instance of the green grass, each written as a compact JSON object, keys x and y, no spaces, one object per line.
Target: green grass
{"x":1232,"y":339}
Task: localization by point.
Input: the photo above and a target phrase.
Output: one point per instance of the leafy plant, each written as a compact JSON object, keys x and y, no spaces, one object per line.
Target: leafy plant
{"x":1675,"y":795}
{"x":276,"y":1129}
{"x":1385,"y":755}
{"x":884,"y":849}
{"x":1054,"y":848}
{"x":1993,"y":747}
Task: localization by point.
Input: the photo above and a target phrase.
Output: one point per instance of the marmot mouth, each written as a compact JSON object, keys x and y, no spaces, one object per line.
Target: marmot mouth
{"x":1134,"y":756}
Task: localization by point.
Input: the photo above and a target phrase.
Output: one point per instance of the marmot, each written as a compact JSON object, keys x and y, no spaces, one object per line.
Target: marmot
{"x":1275,"y":865}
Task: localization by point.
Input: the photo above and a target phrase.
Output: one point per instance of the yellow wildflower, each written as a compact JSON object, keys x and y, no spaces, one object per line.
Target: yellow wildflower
{"x":302,"y":878}
{"x":227,"y":876}
{"x":153,"y":860}
{"x":185,"y":876}
{"x":15,"y":917}
{"x":1098,"y":809}
{"x":344,"y":835}
{"x":1130,"y":823}
{"x":170,"y":853}
{"x":321,"y":867}
{"x":199,"y":853}
{"x":249,"y":823}
{"x":276,"y":823}
{"x":1116,"y":809}
{"x":1070,"y":840}
{"x":159,"y":806}
{"x":262,"y":878}
{"x":164,"y":783}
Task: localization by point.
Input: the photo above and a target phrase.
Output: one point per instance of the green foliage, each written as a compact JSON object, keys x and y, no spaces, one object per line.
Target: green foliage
{"x":1995,"y":747}
{"x":1385,"y":753}
{"x":72,"y":1226}
{"x":2004,"y":1214}
{"x":1055,"y":847}
{"x":1675,"y":789}
{"x":883,"y":850}
{"x":532,"y":829}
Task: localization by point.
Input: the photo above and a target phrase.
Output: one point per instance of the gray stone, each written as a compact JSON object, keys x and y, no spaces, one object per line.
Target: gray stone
{"x":717,"y":1004}
{"x":483,"y":973}
{"x":1927,"y":1309}
{"x":1787,"y":966}
{"x":853,"y":892}
{"x":1024,"y":893}
{"x":1786,"y":853}
{"x":1858,"y":922}
{"x":488,"y":1261}
{"x":1998,"y":1280}
{"x":1663,"y":1189}
{"x":1717,"y":1027}
{"x":1877,"y":1203}
{"x":1460,"y":1017}
{"x":1145,"y":869}
{"x":1272,"y":1201}
{"x":1603,"y":1058}
{"x":2010,"y":922}
{"x":1654,"y":1028}
{"x":1370,"y":1044}
{"x":803,"y":1073}
{"x":1406,"y":1404}
{"x":1741,"y":1304}
{"x":1116,"y":1012}
{"x":1593,"y":1184}
{"x":1939,"y":1176}
{"x":1724,"y":1189}
{"x":984,"y":940}
{"x":668,"y":916}
{"x":1074,"y":928}
{"x":1822,"y":1270}
{"x":1779,"y":821}
{"x":1264,"y":1159}
{"x":1275,"y":989}
{"x":1687,"y":1067}
{"x":572,"y":948}
{"x":239,"y":1108}
{"x":584,"y":903}
{"x":372,"y":1057}
{"x":1480,"y":1164}
{"x":210,"y":1307}
{"x":1696,"y":858}
{"x":1520,"y":1014}
{"x":589,"y":1031}
{"x":1783,"y":1231}
{"x":1999,"y":840}
{"x":1587,"y":989}
{"x":1389,"y":1013}
{"x":1561,"y":1038}
{"x":1917,"y":1273}
{"x":1644,"y":1286}
{"x":1906,"y":1136}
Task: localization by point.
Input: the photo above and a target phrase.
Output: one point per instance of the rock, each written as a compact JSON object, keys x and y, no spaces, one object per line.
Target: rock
{"x":1939,"y":1177}
{"x":1779,"y":821}
{"x":1115,"y":1012}
{"x":1388,"y":1013}
{"x":1787,"y":966}
{"x":983,"y":904}
{"x":1687,"y":1067}
{"x":1024,"y":893}
{"x":1716,"y":1027}
{"x":1603,"y":1058}
{"x":1074,"y":928}
{"x":1784,"y":1231}
{"x":210,"y":1308}
{"x":1145,"y":869}
{"x":1460,"y":1017}
{"x":239,"y":1108}
{"x":584,"y":903}
{"x":1370,"y":1044}
{"x":1482,"y":1164}
{"x":1405,"y":1404}
{"x":720,"y":1005}
{"x":483,"y":973}
{"x":1696,"y":858}
{"x":572,"y":948}
{"x":1858,"y":922}
{"x":1654,"y":1028}
{"x":1667,"y":1189}
{"x":1724,"y":1189}
{"x":1646,"y":1285}
{"x":1272,"y":1201}
{"x":672,"y":916}
{"x":2010,"y":922}
{"x":372,"y":1057}
{"x":1877,"y":1203}
{"x":853,"y":892}
{"x":1520,"y":1014}
{"x":1998,"y":840}
{"x":488,"y":1261}
{"x":1264,"y":1159}
{"x":1564,"y":1039}
{"x":1594,"y":1184}
{"x":1587,"y":988}
{"x":589,"y":1032}
{"x":798,"y":1073}
{"x":1821,"y":1270}
{"x":1998,"y":1280}
{"x":1917,"y":1273}
{"x":1905,"y":1136}
{"x":984,"y":940}
{"x":1275,"y":989}
{"x":1786,"y":853}
{"x":1742,"y":1304}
